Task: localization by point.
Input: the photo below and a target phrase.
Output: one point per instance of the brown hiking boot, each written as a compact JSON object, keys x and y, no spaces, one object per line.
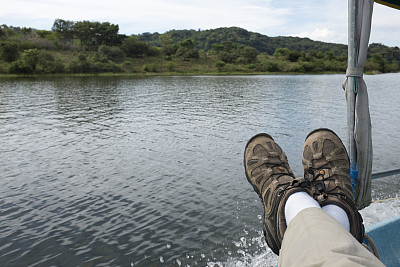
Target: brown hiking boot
{"x":326,"y":165}
{"x":268,"y":171}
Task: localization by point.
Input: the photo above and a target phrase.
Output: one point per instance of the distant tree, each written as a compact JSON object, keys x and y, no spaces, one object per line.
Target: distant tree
{"x":312,"y":54}
{"x":83,"y":30}
{"x":25,"y":30}
{"x":43,"y":33}
{"x":187,"y":49}
{"x":27,"y":63}
{"x":9,"y":51}
{"x":30,"y":57}
{"x":217,"y":48}
{"x":46,"y":61}
{"x":64,"y":28}
{"x":330,"y":55}
{"x":228,"y":57}
{"x":293,"y":56}
{"x":248,"y":54}
{"x":379,"y":61}
{"x":147,"y":37}
{"x":283,"y":52}
{"x":167,"y":44}
{"x":93,"y":34}
{"x":19,"y":66}
{"x":7,"y":32}
{"x":16,"y":30}
{"x":320,"y":55}
{"x":391,"y":55}
{"x":165,"y":39}
{"x":229,"y":46}
{"x":135,"y":48}
{"x":229,"y":52}
{"x":107,"y":34}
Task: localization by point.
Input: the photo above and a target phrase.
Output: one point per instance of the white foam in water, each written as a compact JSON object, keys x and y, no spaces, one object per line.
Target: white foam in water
{"x":254,"y":252}
{"x":263,"y":256}
{"x":380,"y":211}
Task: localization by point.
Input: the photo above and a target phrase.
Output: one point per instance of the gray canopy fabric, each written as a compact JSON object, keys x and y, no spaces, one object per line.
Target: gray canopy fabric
{"x":361,"y":159}
{"x":390,"y":3}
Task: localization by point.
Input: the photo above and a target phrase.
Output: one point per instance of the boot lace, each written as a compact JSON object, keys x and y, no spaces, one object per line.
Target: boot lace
{"x":319,"y":184}
{"x":296,"y":182}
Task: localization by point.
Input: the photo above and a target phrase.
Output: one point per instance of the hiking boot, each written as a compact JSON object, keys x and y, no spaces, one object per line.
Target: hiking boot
{"x":326,"y":165}
{"x":268,"y":171}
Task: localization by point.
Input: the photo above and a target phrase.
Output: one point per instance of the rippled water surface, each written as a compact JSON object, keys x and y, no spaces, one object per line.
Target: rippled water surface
{"x":148,"y":171}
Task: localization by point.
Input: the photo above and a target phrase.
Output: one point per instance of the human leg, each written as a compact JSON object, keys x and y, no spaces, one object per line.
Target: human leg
{"x":338,"y":214}
{"x":301,"y":200}
{"x":314,"y":238}
{"x":325,"y":237}
{"x":326,"y":165}
{"x":296,"y":203}
{"x":292,"y":205}
{"x":268,"y":171}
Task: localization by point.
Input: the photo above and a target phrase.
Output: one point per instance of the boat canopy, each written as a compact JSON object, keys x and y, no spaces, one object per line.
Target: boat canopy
{"x":391,"y":3}
{"x":359,"y":140}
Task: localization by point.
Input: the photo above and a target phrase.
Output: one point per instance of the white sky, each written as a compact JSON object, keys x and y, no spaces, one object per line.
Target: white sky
{"x":321,"y":20}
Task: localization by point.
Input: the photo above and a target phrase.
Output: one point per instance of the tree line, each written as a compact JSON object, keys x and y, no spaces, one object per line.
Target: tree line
{"x":98,"y":47}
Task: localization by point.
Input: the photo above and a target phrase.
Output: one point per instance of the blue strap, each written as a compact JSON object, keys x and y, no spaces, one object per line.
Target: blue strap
{"x":353,"y":176}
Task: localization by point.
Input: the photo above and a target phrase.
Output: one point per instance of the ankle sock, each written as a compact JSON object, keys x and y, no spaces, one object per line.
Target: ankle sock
{"x":298,"y":202}
{"x":301,"y":200}
{"x":338,"y":214}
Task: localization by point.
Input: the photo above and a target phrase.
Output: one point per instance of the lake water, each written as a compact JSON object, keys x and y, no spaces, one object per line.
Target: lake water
{"x":113,"y":171}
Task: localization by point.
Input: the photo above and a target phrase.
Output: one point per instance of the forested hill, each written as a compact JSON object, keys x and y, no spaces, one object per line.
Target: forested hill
{"x":75,"y":47}
{"x":205,"y":39}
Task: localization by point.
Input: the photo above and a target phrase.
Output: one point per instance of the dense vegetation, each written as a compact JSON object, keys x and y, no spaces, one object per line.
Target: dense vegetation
{"x":95,"y":47}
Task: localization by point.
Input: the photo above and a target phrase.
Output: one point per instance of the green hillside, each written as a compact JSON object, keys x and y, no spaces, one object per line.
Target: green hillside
{"x":86,"y":47}
{"x":205,"y":39}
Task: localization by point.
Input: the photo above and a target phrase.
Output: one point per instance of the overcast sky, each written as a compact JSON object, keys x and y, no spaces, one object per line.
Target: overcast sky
{"x":321,"y":20}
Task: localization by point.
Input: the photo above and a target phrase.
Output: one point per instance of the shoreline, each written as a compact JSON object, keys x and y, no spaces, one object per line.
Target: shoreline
{"x":155,"y":74}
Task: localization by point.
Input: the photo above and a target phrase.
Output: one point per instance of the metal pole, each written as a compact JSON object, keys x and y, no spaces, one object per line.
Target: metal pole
{"x":351,"y":87}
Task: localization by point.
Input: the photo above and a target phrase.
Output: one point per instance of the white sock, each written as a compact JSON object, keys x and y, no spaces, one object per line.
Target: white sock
{"x":298,"y":202}
{"x":338,"y":214}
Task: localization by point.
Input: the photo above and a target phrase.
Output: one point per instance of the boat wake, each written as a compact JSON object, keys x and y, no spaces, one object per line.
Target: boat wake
{"x":255,"y":252}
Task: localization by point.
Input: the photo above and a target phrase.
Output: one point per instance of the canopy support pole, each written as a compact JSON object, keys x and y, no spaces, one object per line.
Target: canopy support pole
{"x":351,"y":90}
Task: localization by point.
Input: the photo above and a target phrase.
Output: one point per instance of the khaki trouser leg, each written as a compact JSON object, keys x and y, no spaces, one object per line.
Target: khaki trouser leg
{"x":314,"y":238}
